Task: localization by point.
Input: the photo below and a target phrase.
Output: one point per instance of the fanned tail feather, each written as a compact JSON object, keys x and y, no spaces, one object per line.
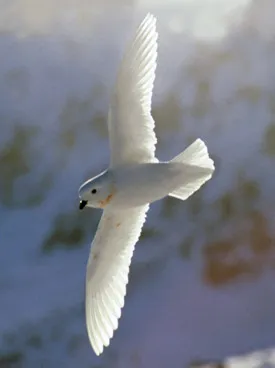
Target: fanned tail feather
{"x":198,"y":166}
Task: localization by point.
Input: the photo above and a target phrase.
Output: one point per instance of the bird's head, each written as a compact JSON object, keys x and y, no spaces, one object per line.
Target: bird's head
{"x":96,"y":192}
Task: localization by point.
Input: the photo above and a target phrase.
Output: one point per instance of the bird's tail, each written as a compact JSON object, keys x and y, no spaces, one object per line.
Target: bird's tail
{"x":198,"y":168}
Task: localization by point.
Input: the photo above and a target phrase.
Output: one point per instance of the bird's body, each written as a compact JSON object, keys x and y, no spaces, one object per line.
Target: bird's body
{"x":136,"y":185}
{"x":135,"y":178}
{"x":146,"y":183}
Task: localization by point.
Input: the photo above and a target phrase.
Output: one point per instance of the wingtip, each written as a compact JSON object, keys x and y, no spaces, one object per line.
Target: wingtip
{"x":150,"y":17}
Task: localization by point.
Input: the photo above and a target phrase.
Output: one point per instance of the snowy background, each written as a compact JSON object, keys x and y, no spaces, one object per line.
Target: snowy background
{"x":202,"y":280}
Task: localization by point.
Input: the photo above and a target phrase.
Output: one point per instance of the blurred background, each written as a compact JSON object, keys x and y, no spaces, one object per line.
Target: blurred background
{"x":202,"y":279}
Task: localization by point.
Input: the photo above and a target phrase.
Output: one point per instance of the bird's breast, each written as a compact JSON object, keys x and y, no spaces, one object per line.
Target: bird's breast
{"x":104,"y":202}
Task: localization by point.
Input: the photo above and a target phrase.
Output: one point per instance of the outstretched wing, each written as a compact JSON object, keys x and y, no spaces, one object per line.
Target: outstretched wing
{"x":131,"y":126}
{"x":107,"y":272}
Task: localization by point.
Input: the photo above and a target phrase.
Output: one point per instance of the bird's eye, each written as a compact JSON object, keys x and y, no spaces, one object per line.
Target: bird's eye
{"x":93,"y":191}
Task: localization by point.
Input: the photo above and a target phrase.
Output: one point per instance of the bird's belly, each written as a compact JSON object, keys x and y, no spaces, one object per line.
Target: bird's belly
{"x":131,"y":198}
{"x":145,"y":184}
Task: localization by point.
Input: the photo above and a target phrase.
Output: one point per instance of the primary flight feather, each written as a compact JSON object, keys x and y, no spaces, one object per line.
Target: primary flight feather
{"x":134,"y":179}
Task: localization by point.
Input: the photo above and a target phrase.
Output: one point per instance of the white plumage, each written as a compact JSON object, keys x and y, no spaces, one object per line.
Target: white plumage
{"x":134,"y":179}
{"x":107,"y":272}
{"x":131,"y":126}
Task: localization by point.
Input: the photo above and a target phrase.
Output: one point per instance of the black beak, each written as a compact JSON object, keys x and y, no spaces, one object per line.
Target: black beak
{"x":82,"y":204}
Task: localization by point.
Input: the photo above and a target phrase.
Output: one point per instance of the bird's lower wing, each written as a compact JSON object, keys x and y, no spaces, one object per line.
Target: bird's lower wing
{"x":107,"y":271}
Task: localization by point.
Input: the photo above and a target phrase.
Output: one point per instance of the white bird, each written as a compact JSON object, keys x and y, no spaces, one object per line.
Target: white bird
{"x":134,"y":179}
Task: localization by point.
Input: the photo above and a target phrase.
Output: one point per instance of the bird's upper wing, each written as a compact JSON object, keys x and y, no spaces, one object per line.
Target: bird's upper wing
{"x":130,"y":124}
{"x":107,"y":272}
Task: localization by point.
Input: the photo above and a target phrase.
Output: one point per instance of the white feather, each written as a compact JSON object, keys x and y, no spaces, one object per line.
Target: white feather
{"x":197,"y":167}
{"x":131,"y":126}
{"x":107,"y":272}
